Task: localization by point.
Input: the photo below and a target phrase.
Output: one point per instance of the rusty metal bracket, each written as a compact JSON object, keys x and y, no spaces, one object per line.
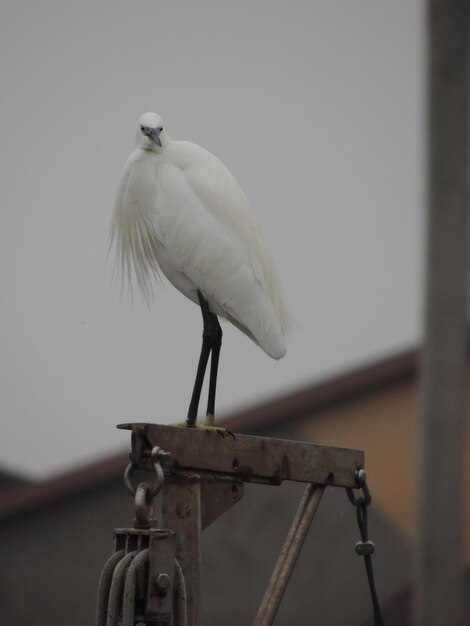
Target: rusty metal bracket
{"x":204,"y":475}
{"x":218,"y":494}
{"x":244,"y":458}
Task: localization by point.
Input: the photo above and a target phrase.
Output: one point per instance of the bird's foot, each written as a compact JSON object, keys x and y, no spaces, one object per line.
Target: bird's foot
{"x":208,"y":426}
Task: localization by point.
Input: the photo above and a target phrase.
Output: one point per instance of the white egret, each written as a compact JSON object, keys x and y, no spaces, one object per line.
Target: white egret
{"x":179,"y":210}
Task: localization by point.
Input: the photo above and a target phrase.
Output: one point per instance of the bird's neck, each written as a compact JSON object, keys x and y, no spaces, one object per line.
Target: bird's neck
{"x":165,"y":139}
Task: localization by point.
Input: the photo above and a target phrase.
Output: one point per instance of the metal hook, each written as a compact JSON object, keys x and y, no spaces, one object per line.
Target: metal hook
{"x":142,"y":506}
{"x":366,"y":498}
{"x":156,"y":455}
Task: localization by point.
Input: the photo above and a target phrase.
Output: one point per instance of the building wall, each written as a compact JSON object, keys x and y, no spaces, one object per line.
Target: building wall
{"x":52,"y":558}
{"x":384,"y":425}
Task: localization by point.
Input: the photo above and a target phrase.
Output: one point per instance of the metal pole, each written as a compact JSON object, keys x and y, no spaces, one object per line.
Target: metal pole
{"x":289,"y":553}
{"x":439,"y":566}
{"x":181,"y":512}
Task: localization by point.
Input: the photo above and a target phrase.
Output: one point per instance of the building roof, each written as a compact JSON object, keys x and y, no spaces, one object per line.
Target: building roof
{"x":328,"y":394}
{"x":19,"y":497}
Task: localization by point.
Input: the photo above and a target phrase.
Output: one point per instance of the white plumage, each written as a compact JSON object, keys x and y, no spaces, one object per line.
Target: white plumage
{"x":179,"y":210}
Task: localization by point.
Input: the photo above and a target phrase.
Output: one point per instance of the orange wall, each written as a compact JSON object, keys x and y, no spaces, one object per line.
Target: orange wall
{"x":384,"y":425}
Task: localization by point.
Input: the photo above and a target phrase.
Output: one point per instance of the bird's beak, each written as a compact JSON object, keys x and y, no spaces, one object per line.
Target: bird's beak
{"x":154,"y":135}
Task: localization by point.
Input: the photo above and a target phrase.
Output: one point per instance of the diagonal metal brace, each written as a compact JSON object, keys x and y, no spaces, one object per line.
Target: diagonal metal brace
{"x":289,"y":554}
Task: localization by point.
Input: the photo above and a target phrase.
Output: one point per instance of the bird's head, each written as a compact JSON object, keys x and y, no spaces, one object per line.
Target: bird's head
{"x":149,"y":131}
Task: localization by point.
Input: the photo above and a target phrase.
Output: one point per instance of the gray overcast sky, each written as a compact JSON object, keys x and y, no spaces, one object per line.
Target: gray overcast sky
{"x":317,"y":109}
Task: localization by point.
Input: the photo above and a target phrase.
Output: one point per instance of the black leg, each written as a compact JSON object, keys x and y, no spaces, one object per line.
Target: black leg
{"x":201,"y":370}
{"x":216,"y":345}
{"x":211,"y":341}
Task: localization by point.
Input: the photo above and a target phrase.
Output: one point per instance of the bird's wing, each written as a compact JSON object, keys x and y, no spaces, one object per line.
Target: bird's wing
{"x":223,"y":198}
{"x":206,"y":224}
{"x":131,"y":230}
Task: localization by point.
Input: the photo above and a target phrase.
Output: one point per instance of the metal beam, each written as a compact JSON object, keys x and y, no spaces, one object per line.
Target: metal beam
{"x":181,"y":511}
{"x":244,"y":457}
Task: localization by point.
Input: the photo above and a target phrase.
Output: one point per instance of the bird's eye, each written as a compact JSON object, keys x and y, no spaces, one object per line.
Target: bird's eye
{"x":142,"y":128}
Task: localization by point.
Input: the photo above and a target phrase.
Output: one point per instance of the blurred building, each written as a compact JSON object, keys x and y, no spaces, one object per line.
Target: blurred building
{"x":56,"y":536}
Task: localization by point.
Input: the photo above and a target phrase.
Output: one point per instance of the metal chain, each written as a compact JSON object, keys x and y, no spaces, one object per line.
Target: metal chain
{"x":365,"y":547}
